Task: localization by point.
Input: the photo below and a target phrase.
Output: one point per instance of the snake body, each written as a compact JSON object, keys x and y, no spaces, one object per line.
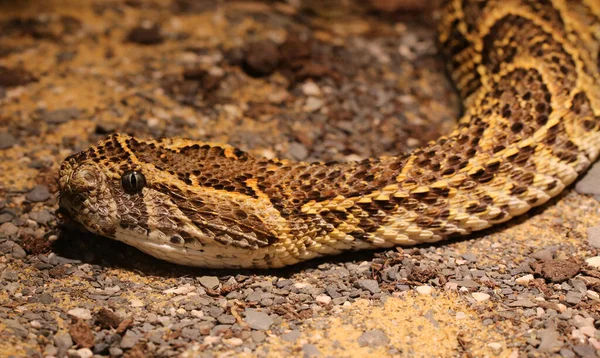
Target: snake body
{"x":528,"y":74}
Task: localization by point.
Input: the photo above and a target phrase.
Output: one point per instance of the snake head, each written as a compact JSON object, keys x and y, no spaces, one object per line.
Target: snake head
{"x":178,"y":200}
{"x":85,"y":194}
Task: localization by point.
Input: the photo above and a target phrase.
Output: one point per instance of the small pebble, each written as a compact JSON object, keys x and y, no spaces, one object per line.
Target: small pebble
{"x":129,"y":340}
{"x":592,"y":295}
{"x":291,"y":336}
{"x":584,"y":350}
{"x":210,"y":282}
{"x":136,"y":302}
{"x":589,"y":183}
{"x":370,"y":285}
{"x":9,"y":275}
{"x":550,"y":341}
{"x":233,"y":342}
{"x":424,"y":290}
{"x":38,"y":194}
{"x":61,"y":115}
{"x":495,"y":346}
{"x":63,"y":341}
{"x":589,"y":331}
{"x":41,"y":217}
{"x":460,"y":315}
{"x":324,"y":299}
{"x":8,"y":229}
{"x":593,"y":234}
{"x":524,"y":280}
{"x":309,"y":88}
{"x":373,"y":338}
{"x":258,"y":320}
{"x":594,"y":262}
{"x":310,"y":350}
{"x":81,"y":313}
{"x":480,"y":296}
{"x":7,"y":140}
{"x":85,"y":353}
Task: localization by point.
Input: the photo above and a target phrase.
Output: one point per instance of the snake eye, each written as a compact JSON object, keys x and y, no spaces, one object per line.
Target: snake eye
{"x":133,"y":181}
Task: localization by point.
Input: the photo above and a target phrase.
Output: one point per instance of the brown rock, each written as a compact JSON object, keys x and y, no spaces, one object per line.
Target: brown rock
{"x":557,"y":270}
{"x":82,"y":334}
{"x":261,"y":59}
{"x":145,"y":35}
{"x":107,"y":318}
{"x":12,"y":77}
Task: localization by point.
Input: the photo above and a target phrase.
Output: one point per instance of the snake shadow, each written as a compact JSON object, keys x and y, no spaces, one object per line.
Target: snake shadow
{"x":77,"y":244}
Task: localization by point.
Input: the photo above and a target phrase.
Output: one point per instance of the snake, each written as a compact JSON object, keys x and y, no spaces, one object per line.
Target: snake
{"x":527,"y":72}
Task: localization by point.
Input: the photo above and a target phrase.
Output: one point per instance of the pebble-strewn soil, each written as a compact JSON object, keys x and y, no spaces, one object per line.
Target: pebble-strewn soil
{"x":305,"y":80}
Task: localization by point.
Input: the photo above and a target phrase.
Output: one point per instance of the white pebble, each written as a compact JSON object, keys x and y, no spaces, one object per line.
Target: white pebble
{"x":425,"y":290}
{"x":495,"y":346}
{"x":594,"y":261}
{"x":480,"y":296}
{"x":461,"y":261}
{"x":35,"y":324}
{"x":561,"y":307}
{"x":82,"y":313}
{"x":182,"y":290}
{"x":85,"y":353}
{"x":324,"y":299}
{"x":592,"y":295}
{"x":460,"y":315}
{"x":524,"y":280}
{"x":197,"y":314}
{"x":234,"y":342}
{"x":311,"y":89}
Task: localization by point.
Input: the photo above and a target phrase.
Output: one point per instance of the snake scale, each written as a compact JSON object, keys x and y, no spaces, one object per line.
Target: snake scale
{"x":528,"y":73}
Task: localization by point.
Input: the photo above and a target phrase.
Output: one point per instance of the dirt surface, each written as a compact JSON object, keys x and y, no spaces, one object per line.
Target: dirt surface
{"x":299,"y":80}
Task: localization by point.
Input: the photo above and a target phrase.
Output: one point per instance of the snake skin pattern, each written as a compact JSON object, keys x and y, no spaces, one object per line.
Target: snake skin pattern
{"x":528,"y":72}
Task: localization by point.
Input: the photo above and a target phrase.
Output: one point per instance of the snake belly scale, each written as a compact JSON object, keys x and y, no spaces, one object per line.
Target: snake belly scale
{"x":528,"y":74}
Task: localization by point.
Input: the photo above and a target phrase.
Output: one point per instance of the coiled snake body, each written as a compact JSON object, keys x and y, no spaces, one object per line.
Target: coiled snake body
{"x":528,"y":73}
